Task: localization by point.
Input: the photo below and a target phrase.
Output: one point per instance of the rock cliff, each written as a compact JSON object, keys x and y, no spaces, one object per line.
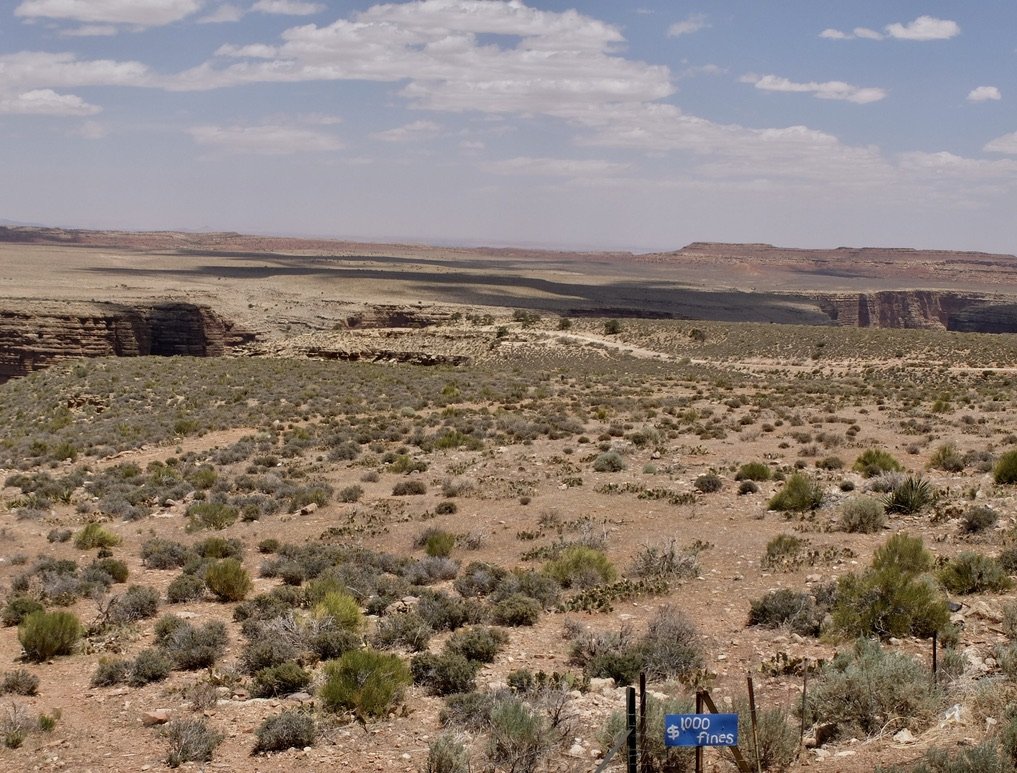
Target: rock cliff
{"x":34,"y":334}
{"x":966,"y":312}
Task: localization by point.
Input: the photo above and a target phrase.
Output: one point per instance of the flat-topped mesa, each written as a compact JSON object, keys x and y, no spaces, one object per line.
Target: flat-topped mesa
{"x":35,"y":334}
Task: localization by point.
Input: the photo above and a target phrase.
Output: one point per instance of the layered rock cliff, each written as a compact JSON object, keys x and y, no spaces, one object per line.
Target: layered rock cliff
{"x":965,"y":312}
{"x":34,"y":334}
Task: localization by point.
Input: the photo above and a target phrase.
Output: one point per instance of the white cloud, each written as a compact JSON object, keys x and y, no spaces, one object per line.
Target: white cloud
{"x":46,"y":102}
{"x":831,"y":34}
{"x":272,"y":140}
{"x":694,"y":23}
{"x":827,"y":90}
{"x":1005,"y":144}
{"x":411,"y":132}
{"x":288,"y":7}
{"x":140,"y":13}
{"x":554,"y":167}
{"x":90,"y":31}
{"x":924,"y":28}
{"x":867,"y":34}
{"x":984,"y":93}
{"x":37,"y":69}
{"x":225,"y":13}
{"x":92,"y":130}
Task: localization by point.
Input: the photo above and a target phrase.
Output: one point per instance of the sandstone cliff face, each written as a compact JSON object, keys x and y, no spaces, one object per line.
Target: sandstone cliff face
{"x":35,"y":334}
{"x":965,"y":312}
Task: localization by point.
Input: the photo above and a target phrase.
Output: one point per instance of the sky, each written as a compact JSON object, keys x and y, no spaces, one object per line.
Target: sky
{"x":592,"y":124}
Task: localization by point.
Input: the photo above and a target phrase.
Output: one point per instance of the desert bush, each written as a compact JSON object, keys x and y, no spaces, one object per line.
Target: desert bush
{"x":774,"y":744}
{"x":349,"y":494}
{"x":971,"y":572}
{"x":479,"y":643}
{"x":283,"y":679}
{"x":365,"y":681}
{"x":429,"y":570}
{"x":446,"y":507}
{"x":444,"y":674}
{"x":149,"y":665}
{"x":782,"y":552}
{"x":95,"y":536}
{"x":330,"y":644}
{"x":402,"y":629}
{"x":210,"y":515}
{"x":341,"y":609}
{"x":986,"y":757}
{"x":113,"y":568}
{"x":910,"y":496}
{"x":797,"y":610}
{"x":862,"y":515}
{"x":137,"y":603}
{"x":219,"y":547}
{"x":609,"y":461}
{"x":436,"y":542}
{"x":190,"y":740}
{"x":111,"y":671}
{"x":1005,"y":469}
{"x":191,"y":647}
{"x":665,"y":561}
{"x":659,"y":757}
{"x":708,"y":483}
{"x":798,"y":494}
{"x":862,"y":689}
{"x":894,"y":597}
{"x":946,"y":457}
{"x":479,"y":579}
{"x":747,"y":487}
{"x":267,"y":650}
{"x":317,"y":494}
{"x":159,"y":553}
{"x":516,"y":610}
{"x":875,"y":461}
{"x":44,"y":635}
{"x":447,"y":613}
{"x":228,"y":580}
{"x":519,"y":737}
{"x":447,"y":754}
{"x":672,"y":647}
{"x":537,"y":585}
{"x":184,"y":588}
{"x":18,"y":608}
{"x":292,"y":729}
{"x":978,"y":519}
{"x":580,"y":566}
{"x":20,"y":682}
{"x":757,"y":471}
{"x":405,"y":488}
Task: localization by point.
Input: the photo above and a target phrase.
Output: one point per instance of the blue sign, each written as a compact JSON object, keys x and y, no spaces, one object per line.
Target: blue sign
{"x":701,"y":730}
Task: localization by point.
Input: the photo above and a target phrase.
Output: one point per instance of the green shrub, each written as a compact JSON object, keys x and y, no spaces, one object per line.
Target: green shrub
{"x":516,"y":610}
{"x":20,"y":682}
{"x":874,"y":462}
{"x":971,"y":572}
{"x":292,"y":729}
{"x":986,"y":757}
{"x":406,"y":488}
{"x":783,"y":552}
{"x":909,"y":496}
{"x":150,"y":665}
{"x":862,"y":515}
{"x":95,"y":536}
{"x":341,"y":609}
{"x":283,"y":679}
{"x":184,"y":588}
{"x":479,"y":643}
{"x":519,"y":738}
{"x":1005,"y":469}
{"x":659,"y":757}
{"x":747,"y":487}
{"x":447,"y":754}
{"x":894,"y":597}
{"x":113,"y":568}
{"x":211,"y":515}
{"x":978,"y":519}
{"x":862,"y":689}
{"x":446,"y":507}
{"x":444,"y":674}
{"x":228,"y":580}
{"x":439,"y":543}
{"x":366,"y":681}
{"x":479,"y":579}
{"x":612,"y":327}
{"x":331,"y":644}
{"x":581,"y":566}
{"x":159,"y":553}
{"x":672,"y":647}
{"x":774,"y":740}
{"x":757,"y":471}
{"x":190,"y":740}
{"x":403,"y":629}
{"x":799,"y":493}
{"x":111,"y":671}
{"x":350,"y":494}
{"x":137,"y":603}
{"x":609,"y":461}
{"x":947,"y":458}
{"x":666,"y":561}
{"x":708,"y":483}
{"x":44,"y":635}
{"x":219,"y":547}
{"x":18,"y":608}
{"x":797,"y":610}
{"x":190,"y":647}
{"x":267,"y":650}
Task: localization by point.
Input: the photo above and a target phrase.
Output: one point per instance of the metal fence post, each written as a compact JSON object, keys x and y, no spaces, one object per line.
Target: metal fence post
{"x":631,"y":724}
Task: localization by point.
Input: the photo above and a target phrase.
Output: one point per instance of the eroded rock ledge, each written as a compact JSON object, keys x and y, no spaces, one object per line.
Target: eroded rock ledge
{"x":35,"y":334}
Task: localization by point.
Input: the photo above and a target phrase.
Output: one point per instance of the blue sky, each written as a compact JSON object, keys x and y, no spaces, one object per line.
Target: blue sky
{"x":603,"y":124}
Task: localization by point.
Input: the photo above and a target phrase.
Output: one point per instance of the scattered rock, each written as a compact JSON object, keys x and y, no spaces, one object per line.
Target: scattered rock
{"x":155,"y":717}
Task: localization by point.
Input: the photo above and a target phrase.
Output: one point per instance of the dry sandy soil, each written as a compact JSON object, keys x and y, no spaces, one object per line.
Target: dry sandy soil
{"x":709,"y":396}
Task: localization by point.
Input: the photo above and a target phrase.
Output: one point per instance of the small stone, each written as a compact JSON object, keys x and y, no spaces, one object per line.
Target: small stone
{"x":904,"y":736}
{"x":155,"y":717}
{"x":814,"y":578}
{"x":309,"y":508}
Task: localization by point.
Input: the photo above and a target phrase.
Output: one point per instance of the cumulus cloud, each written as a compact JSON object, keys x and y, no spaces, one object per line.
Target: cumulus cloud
{"x":924,"y":28}
{"x":224,"y":14}
{"x":288,"y":7}
{"x":267,"y":139}
{"x":554,"y":167}
{"x":411,"y":132}
{"x":138,"y":13}
{"x":693,"y":23}
{"x":46,"y":102}
{"x":827,"y":90}
{"x":1005,"y":144}
{"x":984,"y":94}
